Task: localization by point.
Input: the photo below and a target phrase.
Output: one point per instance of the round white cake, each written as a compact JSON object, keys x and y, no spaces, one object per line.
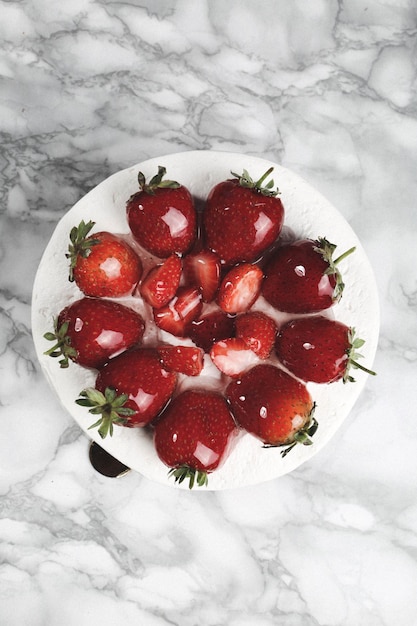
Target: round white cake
{"x":307,"y":214}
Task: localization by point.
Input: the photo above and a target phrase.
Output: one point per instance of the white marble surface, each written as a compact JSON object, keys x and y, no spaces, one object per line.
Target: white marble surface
{"x":326,"y":88}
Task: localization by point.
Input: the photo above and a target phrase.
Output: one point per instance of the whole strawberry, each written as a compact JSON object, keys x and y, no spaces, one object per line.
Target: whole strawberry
{"x":242,"y":218}
{"x":302,"y":277}
{"x":194,"y":435}
{"x":91,"y":331}
{"x":102,"y":264}
{"x":130,"y":390}
{"x":319,"y":349}
{"x":273,"y":406}
{"x":162,"y":216}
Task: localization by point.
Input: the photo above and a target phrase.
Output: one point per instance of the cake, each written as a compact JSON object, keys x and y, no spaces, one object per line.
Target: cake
{"x":307,"y":215}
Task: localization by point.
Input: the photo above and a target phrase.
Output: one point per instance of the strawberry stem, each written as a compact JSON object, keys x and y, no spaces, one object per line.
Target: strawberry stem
{"x":156,"y":182}
{"x":362,"y":367}
{"x":193,"y":475}
{"x":108,"y":405}
{"x":80,"y":245}
{"x":344,"y":255}
{"x":62,"y":346}
{"x":258,"y":183}
{"x":352,"y":352}
{"x":245,"y":180}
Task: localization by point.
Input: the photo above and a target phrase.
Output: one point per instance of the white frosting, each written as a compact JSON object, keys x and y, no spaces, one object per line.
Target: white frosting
{"x":307,"y":214}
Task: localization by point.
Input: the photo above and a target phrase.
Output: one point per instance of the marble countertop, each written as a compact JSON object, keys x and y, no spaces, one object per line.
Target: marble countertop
{"x":327,"y":89}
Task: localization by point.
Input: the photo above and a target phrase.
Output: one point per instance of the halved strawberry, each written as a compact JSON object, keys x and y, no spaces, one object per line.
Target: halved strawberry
{"x":232,"y":356}
{"x":240,"y":288}
{"x":161,"y":283}
{"x":182,"y":359}
{"x":202,"y":269}
{"x":210,"y":328}
{"x":176,"y":316}
{"x":258,"y":331}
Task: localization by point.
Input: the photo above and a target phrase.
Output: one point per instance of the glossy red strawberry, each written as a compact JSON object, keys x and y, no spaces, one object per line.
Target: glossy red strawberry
{"x":130,"y":390}
{"x":91,"y":331}
{"x":161,"y":283}
{"x":319,"y":349}
{"x":176,"y":316}
{"x":302,"y":277}
{"x":162,"y":216}
{"x":240,"y":288}
{"x":258,"y":331}
{"x":102,"y":264}
{"x":202,"y":269}
{"x":194,"y":435}
{"x":273,"y":406}
{"x":210,"y":328}
{"x":182,"y":359}
{"x":242,"y":218}
{"x":232,"y":356}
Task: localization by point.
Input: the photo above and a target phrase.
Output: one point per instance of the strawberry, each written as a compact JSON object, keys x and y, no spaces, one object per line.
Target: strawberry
{"x":102,"y":264}
{"x":242,"y":218}
{"x":302,"y":277}
{"x":182,"y":359}
{"x":319,"y":349}
{"x":202,"y":269}
{"x":258,"y":331}
{"x":91,"y":331}
{"x":273,"y":406}
{"x":176,"y":316}
{"x":130,"y":390}
{"x":194,"y":435}
{"x":240,"y":288}
{"x":161,"y":283}
{"x":232,"y":356}
{"x":210,"y":328}
{"x":162,"y":216}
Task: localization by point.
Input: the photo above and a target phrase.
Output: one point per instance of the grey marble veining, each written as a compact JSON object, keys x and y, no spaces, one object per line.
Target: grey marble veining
{"x":325,"y":88}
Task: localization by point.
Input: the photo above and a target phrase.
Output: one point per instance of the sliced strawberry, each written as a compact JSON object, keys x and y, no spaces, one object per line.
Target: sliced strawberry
{"x":176,"y":316}
{"x":232,"y":356}
{"x":258,"y":331}
{"x":202,"y":269}
{"x":240,"y":288}
{"x":182,"y":359}
{"x":211,"y":328}
{"x":161,"y":283}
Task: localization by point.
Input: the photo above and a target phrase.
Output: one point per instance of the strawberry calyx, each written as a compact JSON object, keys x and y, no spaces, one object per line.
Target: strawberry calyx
{"x":353,"y":354}
{"x":156,"y":182}
{"x":245,"y":180}
{"x":193,"y":475}
{"x":80,"y":245}
{"x":62,"y":346}
{"x":110,"y":406}
{"x":326,"y":249}
{"x":302,"y":436}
